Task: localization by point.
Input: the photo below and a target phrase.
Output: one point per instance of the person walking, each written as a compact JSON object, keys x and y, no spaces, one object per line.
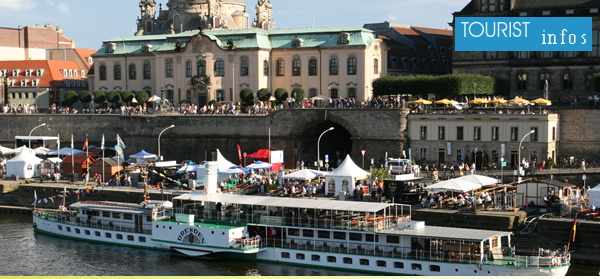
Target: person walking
{"x":582,"y":165}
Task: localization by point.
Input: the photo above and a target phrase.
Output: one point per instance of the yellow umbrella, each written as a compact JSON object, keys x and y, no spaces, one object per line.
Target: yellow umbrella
{"x":478,"y":101}
{"x":499,"y":101}
{"x":445,"y":102}
{"x":421,"y":101}
{"x":541,"y":101}
{"x":519,"y":100}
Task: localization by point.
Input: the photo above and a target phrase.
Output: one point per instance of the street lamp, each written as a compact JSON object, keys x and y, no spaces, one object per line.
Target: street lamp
{"x":519,"y":158}
{"x":318,"y":148}
{"x":43,"y":124}
{"x":159,"y":157}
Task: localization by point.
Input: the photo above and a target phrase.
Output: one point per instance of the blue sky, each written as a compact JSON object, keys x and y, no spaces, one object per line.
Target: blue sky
{"x":89,"y":22}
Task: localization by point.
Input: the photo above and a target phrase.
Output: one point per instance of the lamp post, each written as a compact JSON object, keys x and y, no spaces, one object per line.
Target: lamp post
{"x":43,"y":124}
{"x":159,"y":157}
{"x":519,"y":158}
{"x":318,"y":148}
{"x":474,"y":90}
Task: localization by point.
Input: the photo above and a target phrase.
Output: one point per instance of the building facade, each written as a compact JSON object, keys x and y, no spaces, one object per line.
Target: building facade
{"x":200,"y":66}
{"x":31,"y":42}
{"x":457,"y":138}
{"x":415,"y":50}
{"x":567,"y":73}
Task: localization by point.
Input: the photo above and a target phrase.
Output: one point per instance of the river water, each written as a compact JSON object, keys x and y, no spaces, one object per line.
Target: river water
{"x":22,"y":252}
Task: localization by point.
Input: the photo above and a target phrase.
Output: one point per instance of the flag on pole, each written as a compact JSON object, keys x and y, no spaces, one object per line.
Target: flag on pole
{"x":85,"y":144}
{"x":574,"y":230}
{"x":35,"y":194}
{"x":120,"y":142}
{"x":102,"y":146}
{"x":72,"y":145}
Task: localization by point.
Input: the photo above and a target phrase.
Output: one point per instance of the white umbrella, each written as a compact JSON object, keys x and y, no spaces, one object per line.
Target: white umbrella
{"x":479,"y":179}
{"x":43,"y":150}
{"x":188,"y":168}
{"x":66,"y":151}
{"x":154,"y":98}
{"x":305,"y":174}
{"x":320,"y":98}
{"x":453,"y":185}
{"x":259,"y":165}
{"x":134,"y":100}
{"x":233,"y":170}
{"x":6,"y":150}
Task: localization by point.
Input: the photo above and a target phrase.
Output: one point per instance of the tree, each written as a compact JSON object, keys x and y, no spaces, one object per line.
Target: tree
{"x":449,"y":85}
{"x":127,"y":96}
{"x":247,"y":96}
{"x":71,"y":98}
{"x":298,"y":94}
{"x":212,"y":102}
{"x":99,"y":96}
{"x":263,"y":94}
{"x":281,"y":95}
{"x":113,"y":97}
{"x":141,"y":96}
{"x":85,"y":97}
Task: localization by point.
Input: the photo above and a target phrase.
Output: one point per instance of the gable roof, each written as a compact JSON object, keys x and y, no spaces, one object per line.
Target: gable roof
{"x":79,"y":159}
{"x":51,"y":77}
{"x":107,"y":161}
{"x":84,"y":53}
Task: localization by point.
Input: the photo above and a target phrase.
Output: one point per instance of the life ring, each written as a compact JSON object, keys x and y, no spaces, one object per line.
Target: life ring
{"x":379,"y":225}
{"x":34,"y":225}
{"x":555,"y":261}
{"x":63,"y":209}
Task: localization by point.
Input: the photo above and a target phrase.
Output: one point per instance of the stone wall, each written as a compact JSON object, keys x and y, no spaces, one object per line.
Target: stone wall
{"x":580,"y":134}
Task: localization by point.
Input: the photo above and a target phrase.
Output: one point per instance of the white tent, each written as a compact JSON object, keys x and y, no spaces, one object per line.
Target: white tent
{"x":344,"y":177}
{"x":66,"y":151}
{"x":144,"y":155}
{"x":259,"y":165}
{"x":453,"y":185}
{"x":305,"y":174}
{"x":19,"y":149}
{"x":43,"y":150}
{"x":223,"y":163}
{"x":480,"y":179}
{"x":6,"y":150}
{"x":25,"y":164}
{"x":594,"y":196}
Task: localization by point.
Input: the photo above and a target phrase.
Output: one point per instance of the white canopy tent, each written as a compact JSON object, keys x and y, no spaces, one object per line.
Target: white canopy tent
{"x":19,"y":149}
{"x":480,"y":179}
{"x":66,"y":151}
{"x":305,"y":174}
{"x":144,"y":155}
{"x":25,"y":164}
{"x":259,"y":165}
{"x":43,"y":151}
{"x":344,"y":177}
{"x":223,"y":163}
{"x":453,"y":185}
{"x":6,"y":150}
{"x":594,"y":196}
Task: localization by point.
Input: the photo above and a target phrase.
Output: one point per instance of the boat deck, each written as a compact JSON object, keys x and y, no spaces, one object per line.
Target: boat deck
{"x":223,"y":225}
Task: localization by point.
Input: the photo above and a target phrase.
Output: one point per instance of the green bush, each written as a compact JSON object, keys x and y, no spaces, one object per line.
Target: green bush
{"x":141,"y":96}
{"x":281,"y":95}
{"x":113,"y":97}
{"x":127,"y":96}
{"x":247,"y":96}
{"x":212,"y":102}
{"x":99,"y":96}
{"x":71,"y":98}
{"x":298,"y":94}
{"x":263,"y":94}
{"x":449,"y":85}
{"x":85,"y":97}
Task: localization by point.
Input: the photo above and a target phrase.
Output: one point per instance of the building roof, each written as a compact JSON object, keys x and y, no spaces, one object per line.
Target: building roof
{"x":79,"y":159}
{"x":84,"y":53}
{"x":448,"y":233}
{"x":108,"y":161}
{"x":434,"y":31}
{"x":52,"y":75}
{"x":541,"y":4}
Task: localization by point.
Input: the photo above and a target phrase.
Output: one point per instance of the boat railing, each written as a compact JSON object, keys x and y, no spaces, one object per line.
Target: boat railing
{"x":540,"y":261}
{"x":248,"y":243}
{"x":67,"y":219}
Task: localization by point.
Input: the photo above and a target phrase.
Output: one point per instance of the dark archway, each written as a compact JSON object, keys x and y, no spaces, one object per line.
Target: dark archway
{"x":336,"y":143}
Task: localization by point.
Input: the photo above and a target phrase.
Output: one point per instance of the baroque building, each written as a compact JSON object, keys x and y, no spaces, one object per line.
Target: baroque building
{"x":566,"y":73}
{"x":216,"y":64}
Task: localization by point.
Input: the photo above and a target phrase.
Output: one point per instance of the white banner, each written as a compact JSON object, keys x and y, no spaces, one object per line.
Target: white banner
{"x":502,"y":150}
{"x":449,"y":148}
{"x":276,"y":157}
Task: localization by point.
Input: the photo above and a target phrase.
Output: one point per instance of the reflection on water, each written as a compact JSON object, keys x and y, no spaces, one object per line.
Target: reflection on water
{"x":41,"y":255}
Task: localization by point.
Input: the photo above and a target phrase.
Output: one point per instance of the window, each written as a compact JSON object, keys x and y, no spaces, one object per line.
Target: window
{"x":16,"y":72}
{"x":116,"y":215}
{"x":331,"y":259}
{"x":416,"y":266}
{"x":534,"y":136}
{"x":169,"y":68}
{"x":521,"y":81}
{"x":87,"y":232}
{"x":130,"y":238}
{"x":567,"y":81}
{"x":347,"y":260}
{"x":108,"y":235}
{"x":339,"y":235}
{"x":442,"y":52}
{"x":459,"y":155}
{"x":476,"y":133}
{"x":334,"y":93}
{"x":220,"y":96}
{"x":333,"y":66}
{"x":522,"y":54}
{"x":188,"y":68}
{"x":405,"y":63}
{"x":60,"y":227}
{"x":244,"y":69}
{"x":148,"y":26}
{"x":117,"y":72}
{"x":352,"y":66}
{"x":398,"y":265}
{"x":312,"y":67}
{"x":460,"y":133}
{"x":324,"y":234}
{"x":369,"y":238}
{"x":285,"y":255}
{"x":514,"y":133}
{"x":435,"y":268}
{"x":364,"y":262}
{"x":376,"y":66}
{"x":495,"y":132}
{"x":266,"y":68}
{"x":102,"y":72}
{"x":568,"y":54}
{"x":415,"y":63}
{"x":394,"y":63}
{"x":146,"y":70}
{"x":312,"y":92}
{"x":381,"y":263}
{"x":315,"y":258}
{"x":435,"y":64}
{"x":299,"y":256}
{"x":280,"y":65}
{"x":294,"y":232}
{"x":430,"y":51}
{"x":352,"y":93}
{"x":97,"y":233}
{"x":219,"y":68}
{"x":308,"y":233}
{"x":441,"y":133}
{"x":445,"y":64}
{"x":450,"y":53}
{"x":356,"y":237}
{"x":296,"y":67}
{"x":543,"y":78}
{"x":169,"y":96}
{"x":423,"y":153}
{"x":188,"y":97}
{"x":392,"y":239}
{"x":68,"y":229}
{"x":142,"y":239}
{"x":495,"y":156}
{"x":149,"y":218}
{"x":132,"y":71}
{"x":423,"y":132}
{"x":553,"y":133}
{"x":502,"y":5}
{"x":426,"y":64}
{"x":77,"y":231}
{"x":595,"y":44}
{"x":127,"y":216}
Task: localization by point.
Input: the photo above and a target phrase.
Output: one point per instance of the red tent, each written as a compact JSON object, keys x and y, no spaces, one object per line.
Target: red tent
{"x":263,"y":155}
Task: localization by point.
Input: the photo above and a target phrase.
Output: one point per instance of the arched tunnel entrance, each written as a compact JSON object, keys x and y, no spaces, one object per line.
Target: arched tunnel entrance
{"x":335,"y":143}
